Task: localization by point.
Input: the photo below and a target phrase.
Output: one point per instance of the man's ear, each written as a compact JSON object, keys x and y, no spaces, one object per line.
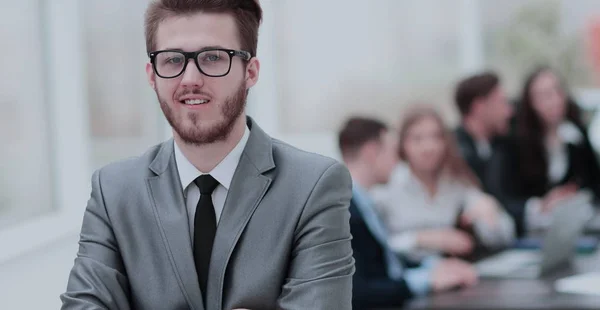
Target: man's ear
{"x":477,"y":106}
{"x":369,"y":150}
{"x":151,"y":76}
{"x":252,"y":72}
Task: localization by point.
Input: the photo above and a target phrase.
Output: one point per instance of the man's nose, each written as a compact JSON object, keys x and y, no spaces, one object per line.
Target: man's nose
{"x":192,"y":76}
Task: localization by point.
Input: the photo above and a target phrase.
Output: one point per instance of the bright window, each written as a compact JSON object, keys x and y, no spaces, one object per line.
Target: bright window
{"x":124,"y":116}
{"x":25,"y":157}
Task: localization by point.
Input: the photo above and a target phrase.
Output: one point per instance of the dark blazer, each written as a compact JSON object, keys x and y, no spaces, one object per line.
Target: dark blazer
{"x":372,"y":288}
{"x":496,"y":172}
{"x":468,"y":151}
{"x":480,"y":166}
{"x":513,"y":190}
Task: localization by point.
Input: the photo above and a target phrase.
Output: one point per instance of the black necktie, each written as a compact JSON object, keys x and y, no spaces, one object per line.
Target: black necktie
{"x":205,"y":227}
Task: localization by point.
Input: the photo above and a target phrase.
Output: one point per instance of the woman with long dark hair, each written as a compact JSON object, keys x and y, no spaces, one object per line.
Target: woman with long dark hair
{"x":422,"y":203}
{"x":553,"y":155}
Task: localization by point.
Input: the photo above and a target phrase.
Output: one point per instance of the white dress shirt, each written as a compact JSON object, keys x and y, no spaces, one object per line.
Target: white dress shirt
{"x":223,"y":173}
{"x":406,"y":208}
{"x":484,"y":149}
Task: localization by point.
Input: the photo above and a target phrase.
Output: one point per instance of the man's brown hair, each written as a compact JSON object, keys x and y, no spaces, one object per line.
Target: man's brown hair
{"x":356,"y":132}
{"x":474,"y":87}
{"x":247,"y":13}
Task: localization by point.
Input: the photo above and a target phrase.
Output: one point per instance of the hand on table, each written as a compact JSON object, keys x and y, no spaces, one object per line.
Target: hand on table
{"x":452,"y":273}
{"x":450,"y":241}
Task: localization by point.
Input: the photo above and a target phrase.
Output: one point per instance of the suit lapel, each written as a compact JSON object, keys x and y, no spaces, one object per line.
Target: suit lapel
{"x":172,"y":220}
{"x":573,"y":163}
{"x":247,"y":189}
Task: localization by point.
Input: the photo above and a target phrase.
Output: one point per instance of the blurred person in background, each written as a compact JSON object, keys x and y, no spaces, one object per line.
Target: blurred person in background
{"x":382,"y":278}
{"x":434,"y":204}
{"x":221,"y":216}
{"x":485,"y":122}
{"x":551,"y":157}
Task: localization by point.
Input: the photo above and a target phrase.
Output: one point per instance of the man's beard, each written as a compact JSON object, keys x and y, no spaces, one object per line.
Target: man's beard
{"x":232,"y":108}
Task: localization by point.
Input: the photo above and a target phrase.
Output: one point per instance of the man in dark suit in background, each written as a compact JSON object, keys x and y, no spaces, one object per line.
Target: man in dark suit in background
{"x":486,"y":115}
{"x":382,"y":279}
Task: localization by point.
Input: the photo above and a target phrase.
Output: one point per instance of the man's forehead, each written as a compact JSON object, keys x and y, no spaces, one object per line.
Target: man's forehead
{"x":197,"y":31}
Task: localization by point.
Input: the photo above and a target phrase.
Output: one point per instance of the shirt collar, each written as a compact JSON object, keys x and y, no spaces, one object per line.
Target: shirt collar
{"x":361,"y":196}
{"x":408,"y":180}
{"x":484,"y":149}
{"x":413,"y":185}
{"x":569,"y":133}
{"x":223,"y":172}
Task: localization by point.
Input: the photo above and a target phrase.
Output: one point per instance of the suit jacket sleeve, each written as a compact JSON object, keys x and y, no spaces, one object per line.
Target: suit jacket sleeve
{"x":97,"y":279}
{"x":321,"y":266}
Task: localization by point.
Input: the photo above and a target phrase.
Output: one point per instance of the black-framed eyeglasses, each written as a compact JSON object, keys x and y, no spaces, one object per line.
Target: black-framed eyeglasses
{"x":214,"y":62}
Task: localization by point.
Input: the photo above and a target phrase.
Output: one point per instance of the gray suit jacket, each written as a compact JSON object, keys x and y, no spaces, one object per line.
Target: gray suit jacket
{"x":283,"y":241}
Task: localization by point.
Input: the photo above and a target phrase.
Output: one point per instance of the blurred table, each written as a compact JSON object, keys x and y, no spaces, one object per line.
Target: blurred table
{"x":530,"y":294}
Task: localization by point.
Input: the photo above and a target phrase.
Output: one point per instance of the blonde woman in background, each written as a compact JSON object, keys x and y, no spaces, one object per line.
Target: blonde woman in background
{"x":433,"y":190}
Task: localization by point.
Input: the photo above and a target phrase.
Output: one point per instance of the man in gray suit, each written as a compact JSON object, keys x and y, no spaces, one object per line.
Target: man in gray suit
{"x":221,"y":216}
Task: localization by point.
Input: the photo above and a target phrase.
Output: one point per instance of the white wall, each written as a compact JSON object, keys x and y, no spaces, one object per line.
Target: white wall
{"x":369,"y":60}
{"x":373,"y":60}
{"x":23,"y":125}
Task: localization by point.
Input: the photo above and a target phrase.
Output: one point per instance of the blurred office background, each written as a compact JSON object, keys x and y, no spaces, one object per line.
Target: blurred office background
{"x":74,"y":96}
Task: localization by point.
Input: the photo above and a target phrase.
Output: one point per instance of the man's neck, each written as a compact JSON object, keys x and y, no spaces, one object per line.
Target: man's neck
{"x":207,"y":156}
{"x":476,"y":129}
{"x":361,"y":174}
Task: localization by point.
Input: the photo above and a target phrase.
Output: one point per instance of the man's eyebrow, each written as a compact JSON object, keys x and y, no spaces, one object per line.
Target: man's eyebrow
{"x":212,"y":47}
{"x":202,"y":49}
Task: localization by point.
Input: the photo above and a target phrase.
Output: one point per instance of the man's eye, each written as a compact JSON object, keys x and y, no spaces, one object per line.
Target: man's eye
{"x":174,"y":60}
{"x":212,"y":57}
